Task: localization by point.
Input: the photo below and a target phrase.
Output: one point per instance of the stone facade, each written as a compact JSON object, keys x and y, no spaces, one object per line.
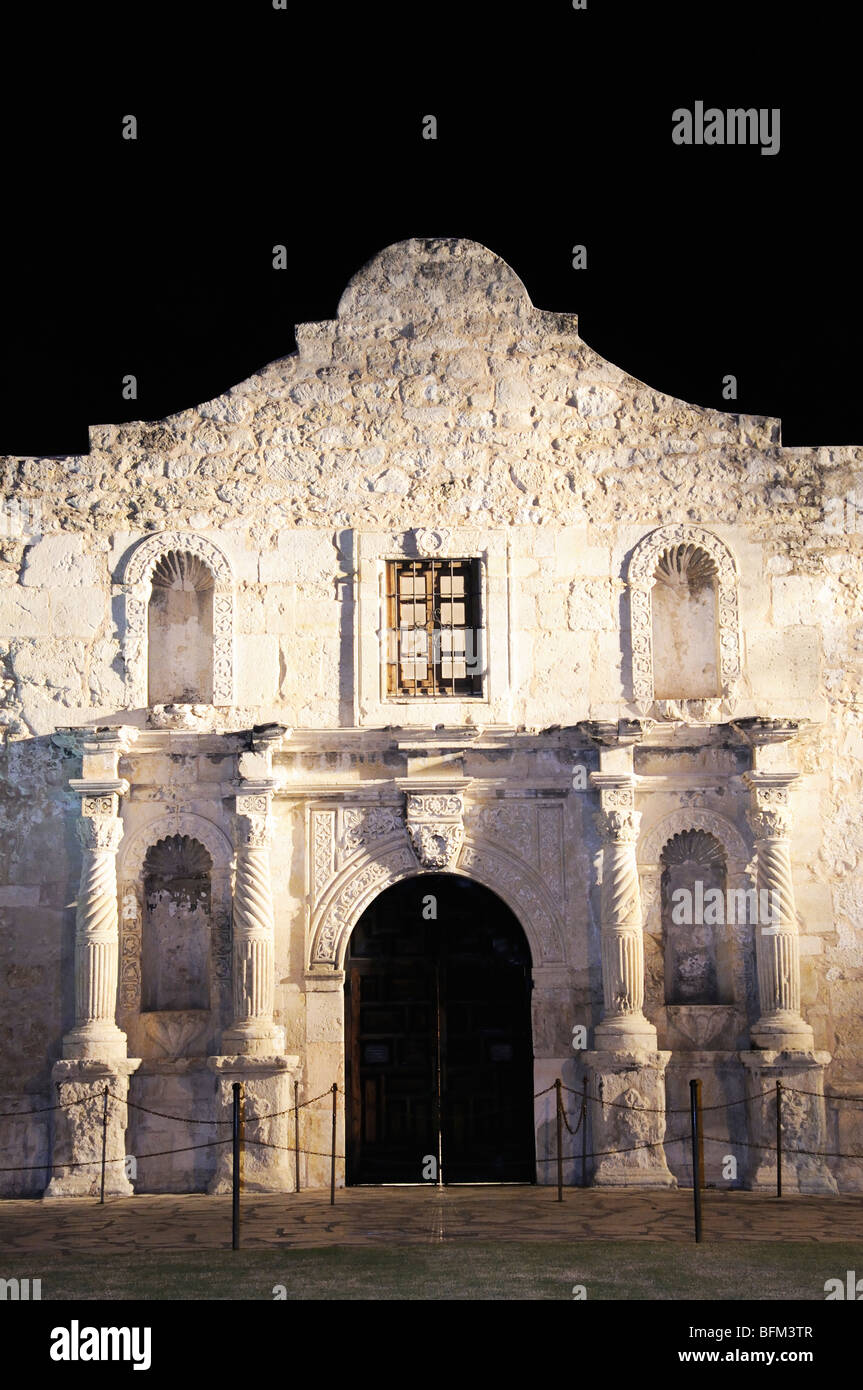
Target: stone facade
{"x":671,"y":614}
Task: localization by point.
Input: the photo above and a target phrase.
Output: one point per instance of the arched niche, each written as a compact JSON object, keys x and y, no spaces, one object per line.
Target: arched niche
{"x":684,"y":618}
{"x":175,"y":955}
{"x":170,"y":581}
{"x":131,"y":872}
{"x":693,"y":898}
{"x":180,"y":631}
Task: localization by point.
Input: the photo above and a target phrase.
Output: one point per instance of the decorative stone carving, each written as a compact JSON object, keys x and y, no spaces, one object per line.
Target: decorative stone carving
{"x":97,"y":943}
{"x":520,"y":887}
{"x":437,"y":846}
{"x":431,"y":542}
{"x":776,"y":941}
{"x":346,"y":903}
{"x":137,"y":582}
{"x":191,"y":717}
{"x":640,"y":576}
{"x":323,"y":825}
{"x":267,"y":1098}
{"x":363,"y":825}
{"x":253,"y":1030}
{"x":723,"y":830}
{"x":622,"y":942}
{"x":78,"y":1127}
{"x":804,"y":1123}
{"x":436,"y":827}
{"x":626,"y":1114}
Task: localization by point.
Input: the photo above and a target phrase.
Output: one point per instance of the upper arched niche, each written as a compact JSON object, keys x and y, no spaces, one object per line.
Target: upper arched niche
{"x":684,"y":618}
{"x":179,"y":629}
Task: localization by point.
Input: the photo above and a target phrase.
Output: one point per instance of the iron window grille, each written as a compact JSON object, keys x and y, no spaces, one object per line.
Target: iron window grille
{"x":434,"y":628}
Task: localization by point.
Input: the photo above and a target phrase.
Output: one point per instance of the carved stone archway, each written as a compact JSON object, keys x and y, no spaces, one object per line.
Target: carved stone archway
{"x":640,"y":578}
{"x":136,"y":587}
{"x":353,"y":888}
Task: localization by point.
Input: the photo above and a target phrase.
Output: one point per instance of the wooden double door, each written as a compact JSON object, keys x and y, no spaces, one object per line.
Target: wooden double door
{"x":438,"y":1037}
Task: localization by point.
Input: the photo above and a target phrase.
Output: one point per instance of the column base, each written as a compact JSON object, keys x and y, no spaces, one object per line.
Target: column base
{"x":78,"y":1127}
{"x":101,"y":1042}
{"x":253,"y":1040}
{"x":801,"y":1074}
{"x":628,"y":1032}
{"x":267,"y":1090}
{"x":628,"y":1135}
{"x":783,"y":1032}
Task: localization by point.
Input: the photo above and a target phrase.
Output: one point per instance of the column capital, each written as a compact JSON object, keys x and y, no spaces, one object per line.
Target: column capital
{"x":770,"y":813}
{"x":100,"y":833}
{"x":252,"y":804}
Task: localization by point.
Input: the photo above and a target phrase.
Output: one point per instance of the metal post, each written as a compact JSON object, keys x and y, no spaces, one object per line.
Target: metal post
{"x":701,"y":1182}
{"x":696,"y":1185}
{"x":333,"y":1159}
{"x":438,"y":1078}
{"x":104,"y":1141}
{"x":559,"y":1142}
{"x":235,"y":1133}
{"x":584,"y":1135}
{"x":778,"y":1138}
{"x":296,"y":1136}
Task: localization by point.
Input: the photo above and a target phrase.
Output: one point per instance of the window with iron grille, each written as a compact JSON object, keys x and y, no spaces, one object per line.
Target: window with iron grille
{"x":435,"y":638}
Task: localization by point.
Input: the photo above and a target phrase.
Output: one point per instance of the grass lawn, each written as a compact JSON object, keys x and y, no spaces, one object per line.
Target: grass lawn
{"x":461,"y":1270}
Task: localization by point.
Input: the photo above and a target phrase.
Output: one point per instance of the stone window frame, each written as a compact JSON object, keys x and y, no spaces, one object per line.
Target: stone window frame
{"x":640,"y":581}
{"x":130,"y":881}
{"x":375,"y":550}
{"x":136,"y":590}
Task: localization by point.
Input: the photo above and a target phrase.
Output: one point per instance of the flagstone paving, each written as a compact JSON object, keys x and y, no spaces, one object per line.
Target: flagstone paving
{"x":418,"y":1215}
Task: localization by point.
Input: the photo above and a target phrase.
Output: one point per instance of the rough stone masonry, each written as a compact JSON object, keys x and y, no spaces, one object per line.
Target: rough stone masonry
{"x":441,"y":592}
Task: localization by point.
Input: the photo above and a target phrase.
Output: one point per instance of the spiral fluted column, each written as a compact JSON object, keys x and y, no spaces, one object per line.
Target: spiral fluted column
{"x":622,"y":940}
{"x":97,"y":937}
{"x":252,"y":1029}
{"x":777,"y":951}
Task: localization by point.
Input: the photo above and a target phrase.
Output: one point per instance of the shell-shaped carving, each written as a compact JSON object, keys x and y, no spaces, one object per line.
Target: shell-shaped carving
{"x":685,"y":565}
{"x":177,"y":856}
{"x":693,"y":847}
{"x":177,"y":569}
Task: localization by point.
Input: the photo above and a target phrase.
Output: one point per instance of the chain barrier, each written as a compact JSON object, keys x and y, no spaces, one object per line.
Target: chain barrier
{"x":327,"y":1095}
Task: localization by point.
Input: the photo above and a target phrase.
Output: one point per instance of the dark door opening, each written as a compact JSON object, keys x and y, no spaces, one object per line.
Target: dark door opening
{"x":438,"y":1037}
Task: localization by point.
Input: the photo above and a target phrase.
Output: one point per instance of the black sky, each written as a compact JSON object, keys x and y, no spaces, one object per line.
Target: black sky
{"x":304,"y":127}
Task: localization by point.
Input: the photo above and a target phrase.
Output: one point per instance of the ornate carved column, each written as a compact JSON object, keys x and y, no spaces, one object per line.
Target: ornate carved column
{"x":777,"y":949}
{"x":626,"y":1071}
{"x":253,"y":1048}
{"x":97,"y":937}
{"x":783,"y":1043}
{"x":253,"y":1030}
{"x":622,"y":941}
{"x":94,"y":1051}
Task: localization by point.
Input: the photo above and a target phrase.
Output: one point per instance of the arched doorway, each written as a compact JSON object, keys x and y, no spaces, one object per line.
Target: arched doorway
{"x":438,"y":1035}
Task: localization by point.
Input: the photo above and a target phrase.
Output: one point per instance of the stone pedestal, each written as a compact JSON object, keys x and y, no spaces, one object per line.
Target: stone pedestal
{"x":803,"y":1120}
{"x":78,"y":1127}
{"x":267,"y":1090}
{"x":635,"y":1080}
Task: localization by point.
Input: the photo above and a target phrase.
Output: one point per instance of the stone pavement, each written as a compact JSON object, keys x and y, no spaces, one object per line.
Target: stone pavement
{"x":418,"y":1215}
